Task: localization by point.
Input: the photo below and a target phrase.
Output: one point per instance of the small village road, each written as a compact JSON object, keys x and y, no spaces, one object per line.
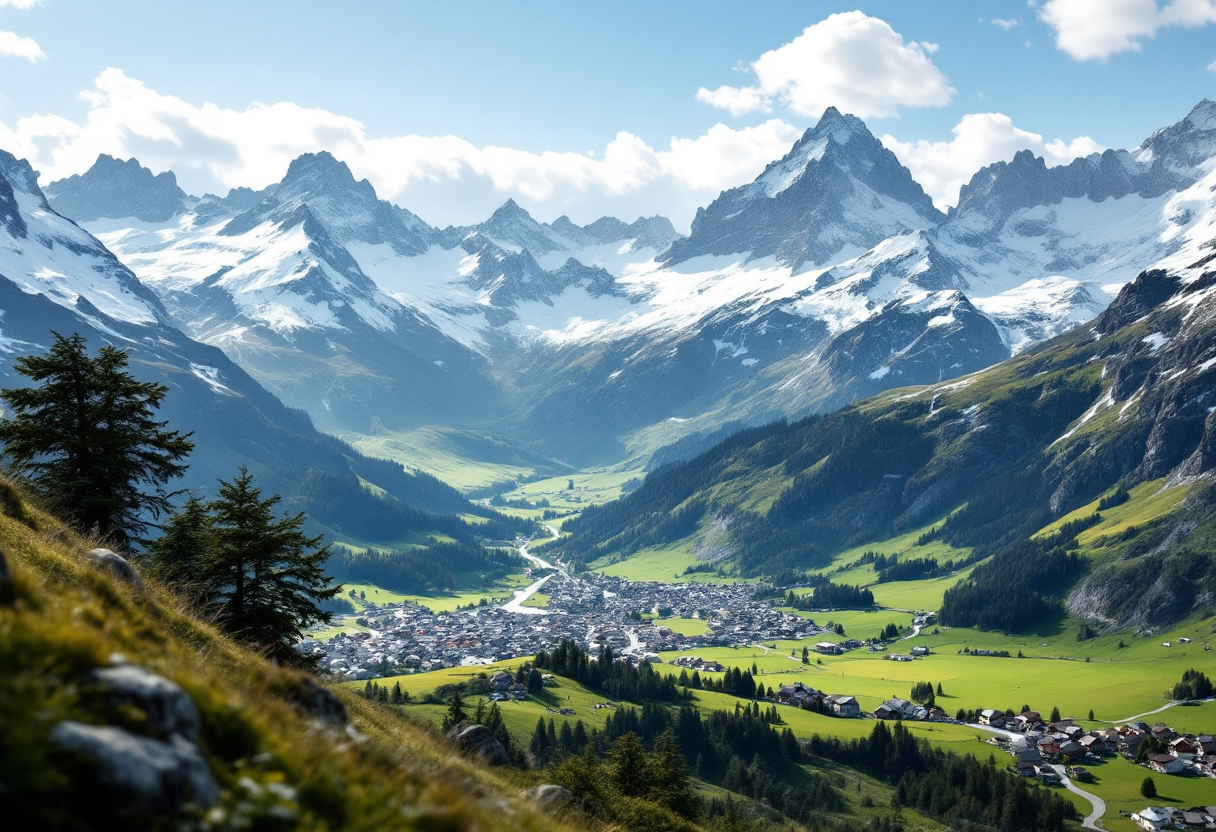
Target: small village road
{"x":1098,"y":804}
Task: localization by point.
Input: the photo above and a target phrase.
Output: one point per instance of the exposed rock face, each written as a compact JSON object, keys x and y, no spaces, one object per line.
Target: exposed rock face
{"x":170,"y":709}
{"x":142,"y":774}
{"x":478,"y":741}
{"x":103,"y":560}
{"x":550,"y":797}
{"x":318,"y":702}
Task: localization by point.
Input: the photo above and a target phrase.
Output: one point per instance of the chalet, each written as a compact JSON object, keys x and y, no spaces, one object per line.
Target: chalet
{"x":992,"y":717}
{"x":1165,"y":764}
{"x":1153,"y":819}
{"x":1207,"y":743}
{"x":920,"y":650}
{"x":1071,"y":749}
{"x":894,"y":709}
{"x":1194,"y":819}
{"x":1093,"y":744}
{"x":501,"y":680}
{"x":795,"y":694}
{"x":1029,"y":755}
{"x":843,"y":705}
{"x":1183,"y":748}
{"x":1130,"y":742}
{"x":1050,"y":776}
{"x":1163,"y":732}
{"x":828,"y":648}
{"x":898,"y":657}
{"x":1080,"y":774}
{"x":1049,"y":747}
{"x":1026,"y":769}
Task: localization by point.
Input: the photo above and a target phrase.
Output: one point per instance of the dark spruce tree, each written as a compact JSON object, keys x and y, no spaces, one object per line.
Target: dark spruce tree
{"x":264,"y":576}
{"x":86,"y":437}
{"x":179,"y":557}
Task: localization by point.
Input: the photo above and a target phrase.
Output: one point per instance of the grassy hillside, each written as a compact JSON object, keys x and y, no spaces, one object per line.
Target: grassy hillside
{"x":277,"y":764}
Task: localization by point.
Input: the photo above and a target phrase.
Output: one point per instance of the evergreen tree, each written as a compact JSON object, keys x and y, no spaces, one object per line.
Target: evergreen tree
{"x":264,"y":575}
{"x":455,"y":714}
{"x":1055,"y":715}
{"x":179,"y":556}
{"x":668,"y":772}
{"x":627,"y":765}
{"x":1148,"y":788}
{"x":86,"y":437}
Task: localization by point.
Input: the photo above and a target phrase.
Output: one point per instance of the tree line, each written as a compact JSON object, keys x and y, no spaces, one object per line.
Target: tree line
{"x":439,"y":566}
{"x":947,"y":787}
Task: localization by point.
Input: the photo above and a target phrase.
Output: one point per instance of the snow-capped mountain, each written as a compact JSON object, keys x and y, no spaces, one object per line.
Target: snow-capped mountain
{"x":837,"y":193}
{"x":114,"y":188}
{"x":829,"y":277}
{"x":56,"y":277}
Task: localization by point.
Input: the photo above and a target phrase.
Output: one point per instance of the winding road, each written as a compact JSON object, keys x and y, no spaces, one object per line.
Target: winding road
{"x":1098,"y":804}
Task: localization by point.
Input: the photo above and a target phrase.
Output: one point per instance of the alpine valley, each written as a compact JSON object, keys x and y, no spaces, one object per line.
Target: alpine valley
{"x":658,"y":527}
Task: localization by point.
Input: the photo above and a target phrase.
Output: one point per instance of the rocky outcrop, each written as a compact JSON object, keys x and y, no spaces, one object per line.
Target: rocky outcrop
{"x":140,"y":774}
{"x":479,"y":742}
{"x":169,"y":709}
{"x":549,"y":797}
{"x":318,"y":702}
{"x":103,"y":560}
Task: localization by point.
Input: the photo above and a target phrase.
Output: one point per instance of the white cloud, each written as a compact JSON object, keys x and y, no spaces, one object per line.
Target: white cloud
{"x":445,"y":179}
{"x":1012,"y":23}
{"x":979,"y":139}
{"x":19,"y":4}
{"x":13,"y":45}
{"x":1097,"y":29}
{"x":851,"y":61}
{"x":1212,"y":66}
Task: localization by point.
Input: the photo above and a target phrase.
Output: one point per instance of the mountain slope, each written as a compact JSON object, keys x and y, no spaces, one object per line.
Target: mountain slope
{"x":1125,"y":399}
{"x":55,"y":277}
{"x":113,"y":188}
{"x":117,"y":707}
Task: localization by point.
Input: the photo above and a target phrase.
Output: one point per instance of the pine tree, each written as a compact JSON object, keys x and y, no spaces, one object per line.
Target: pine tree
{"x":455,"y":714}
{"x":264,"y":575}
{"x":179,"y":556}
{"x":1148,"y":788}
{"x":668,"y":776}
{"x":627,"y":765}
{"x":86,"y":438}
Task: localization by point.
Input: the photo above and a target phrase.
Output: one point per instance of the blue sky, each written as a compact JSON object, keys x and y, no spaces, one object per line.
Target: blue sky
{"x":626,"y":107}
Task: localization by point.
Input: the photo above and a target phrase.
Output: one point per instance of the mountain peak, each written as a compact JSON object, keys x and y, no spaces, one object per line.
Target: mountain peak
{"x":114,"y":188}
{"x":320,"y":169}
{"x":1203,"y":115}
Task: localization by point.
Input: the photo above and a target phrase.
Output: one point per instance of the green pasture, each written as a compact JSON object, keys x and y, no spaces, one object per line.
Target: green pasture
{"x":663,"y":564}
{"x":683,"y":626}
{"x":436,"y":602}
{"x":1148,"y":501}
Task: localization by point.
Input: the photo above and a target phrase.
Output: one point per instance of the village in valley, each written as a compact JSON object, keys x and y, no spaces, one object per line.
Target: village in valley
{"x":637,"y":622}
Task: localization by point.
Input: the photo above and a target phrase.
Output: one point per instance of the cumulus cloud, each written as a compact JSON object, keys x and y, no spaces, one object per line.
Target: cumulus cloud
{"x":445,"y":179}
{"x":1212,"y":66}
{"x":979,"y":139}
{"x":19,"y":4}
{"x":13,"y":45}
{"x":851,"y":61}
{"x":1012,"y":23}
{"x":1097,"y":29}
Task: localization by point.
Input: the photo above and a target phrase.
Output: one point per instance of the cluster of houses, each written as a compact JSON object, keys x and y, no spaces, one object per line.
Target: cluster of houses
{"x":698,"y":664}
{"x":1040,"y":744}
{"x":1156,"y":818}
{"x":504,"y":687}
{"x":896,"y":708}
{"x":799,"y":695}
{"x":593,"y":610}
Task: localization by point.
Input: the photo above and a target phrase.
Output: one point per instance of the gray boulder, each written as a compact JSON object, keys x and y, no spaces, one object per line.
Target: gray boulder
{"x":318,"y":702}
{"x":478,"y":741}
{"x":142,"y":774}
{"x":103,"y":560}
{"x":549,"y":797}
{"x":170,"y":709}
